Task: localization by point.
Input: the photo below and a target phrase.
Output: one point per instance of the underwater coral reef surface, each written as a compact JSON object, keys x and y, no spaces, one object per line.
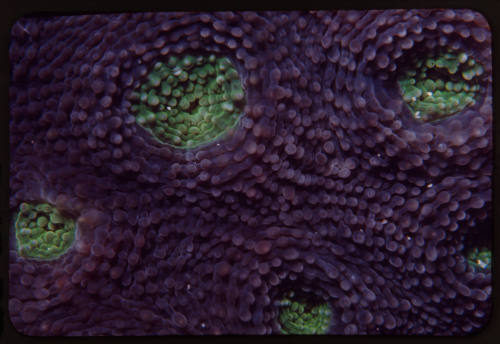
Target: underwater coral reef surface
{"x":251,"y":173}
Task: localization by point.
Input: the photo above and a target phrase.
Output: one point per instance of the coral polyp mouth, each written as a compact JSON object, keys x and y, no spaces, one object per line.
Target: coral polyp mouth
{"x":441,"y":85}
{"x":190,"y":101}
{"x":480,"y":259}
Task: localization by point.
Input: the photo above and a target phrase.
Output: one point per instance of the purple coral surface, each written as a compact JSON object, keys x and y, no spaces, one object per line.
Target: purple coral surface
{"x":327,"y":186}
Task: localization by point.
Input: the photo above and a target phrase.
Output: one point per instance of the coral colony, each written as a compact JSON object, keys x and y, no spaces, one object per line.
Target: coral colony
{"x":324,"y":172}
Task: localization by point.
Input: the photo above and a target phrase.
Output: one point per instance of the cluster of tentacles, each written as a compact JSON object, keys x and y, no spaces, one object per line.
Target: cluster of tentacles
{"x":325,"y":184}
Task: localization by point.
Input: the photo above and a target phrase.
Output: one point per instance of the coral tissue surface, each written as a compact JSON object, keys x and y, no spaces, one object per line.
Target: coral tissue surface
{"x":251,"y":173}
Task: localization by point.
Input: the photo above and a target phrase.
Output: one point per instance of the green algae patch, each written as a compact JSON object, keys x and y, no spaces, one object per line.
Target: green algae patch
{"x":301,"y":316}
{"x":189,"y":100}
{"x":42,"y":232}
{"x":441,"y":85}
{"x":480,"y":260}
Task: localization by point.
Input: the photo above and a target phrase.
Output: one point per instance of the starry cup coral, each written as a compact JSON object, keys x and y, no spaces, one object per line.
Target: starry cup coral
{"x":216,"y":161}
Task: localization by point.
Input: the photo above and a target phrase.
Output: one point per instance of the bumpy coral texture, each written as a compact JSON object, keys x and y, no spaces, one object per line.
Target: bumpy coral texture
{"x":328,"y":186}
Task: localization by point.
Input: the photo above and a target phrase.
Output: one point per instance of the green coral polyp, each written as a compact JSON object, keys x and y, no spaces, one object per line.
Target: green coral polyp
{"x":189,"y":101}
{"x":297,"y":316}
{"x":42,"y":232}
{"x":480,"y":260}
{"x":440,"y":85}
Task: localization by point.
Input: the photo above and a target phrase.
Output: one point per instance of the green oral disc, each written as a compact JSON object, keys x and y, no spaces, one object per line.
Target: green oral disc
{"x":299,"y":317}
{"x":189,"y":100}
{"x":440,"y":85}
{"x":42,"y":232}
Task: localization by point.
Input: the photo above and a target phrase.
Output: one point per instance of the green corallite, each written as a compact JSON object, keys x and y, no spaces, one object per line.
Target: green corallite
{"x":42,"y":232}
{"x":189,"y":100}
{"x":297,"y":316}
{"x":440,"y":85}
